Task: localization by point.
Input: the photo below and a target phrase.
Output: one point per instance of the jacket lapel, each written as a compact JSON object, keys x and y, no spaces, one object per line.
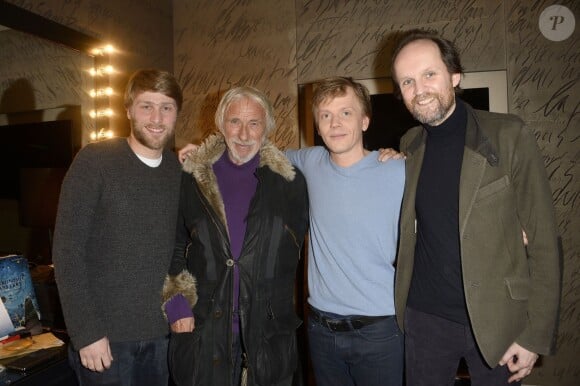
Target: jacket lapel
{"x":477,"y":153}
{"x":413,"y":164}
{"x":472,"y":171}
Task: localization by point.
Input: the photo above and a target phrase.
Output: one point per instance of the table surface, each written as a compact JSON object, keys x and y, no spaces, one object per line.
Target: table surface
{"x":52,"y":372}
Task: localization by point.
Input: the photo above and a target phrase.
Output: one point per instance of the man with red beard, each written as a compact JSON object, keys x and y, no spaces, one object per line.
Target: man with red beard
{"x":466,"y":285}
{"x":114,"y":238}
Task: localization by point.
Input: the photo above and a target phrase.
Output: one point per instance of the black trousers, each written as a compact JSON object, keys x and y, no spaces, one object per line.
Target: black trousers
{"x":434,"y":347}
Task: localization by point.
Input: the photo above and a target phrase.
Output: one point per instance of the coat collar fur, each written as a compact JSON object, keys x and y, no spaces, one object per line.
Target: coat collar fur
{"x":199,"y":165}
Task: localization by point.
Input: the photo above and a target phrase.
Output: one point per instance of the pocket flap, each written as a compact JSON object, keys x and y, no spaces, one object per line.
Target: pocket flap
{"x":518,"y":287}
{"x":493,"y":187}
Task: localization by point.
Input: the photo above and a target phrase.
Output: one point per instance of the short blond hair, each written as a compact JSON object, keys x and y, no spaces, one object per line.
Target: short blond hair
{"x":330,"y":88}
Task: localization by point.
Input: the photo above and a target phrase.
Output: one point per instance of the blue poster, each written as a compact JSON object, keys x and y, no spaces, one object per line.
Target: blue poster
{"x":17,"y":290}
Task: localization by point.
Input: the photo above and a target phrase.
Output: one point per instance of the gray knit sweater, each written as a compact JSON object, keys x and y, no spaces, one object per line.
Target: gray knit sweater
{"x":113,"y":242}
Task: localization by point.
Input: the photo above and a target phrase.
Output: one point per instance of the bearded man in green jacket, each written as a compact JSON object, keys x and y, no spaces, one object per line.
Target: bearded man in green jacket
{"x":466,"y":285}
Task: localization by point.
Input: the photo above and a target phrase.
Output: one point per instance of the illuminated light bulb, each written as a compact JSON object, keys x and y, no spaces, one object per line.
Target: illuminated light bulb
{"x":100,"y":51}
{"x":102,"y":70}
{"x":101,"y":113}
{"x":108,"y":91}
{"x":102,"y":133}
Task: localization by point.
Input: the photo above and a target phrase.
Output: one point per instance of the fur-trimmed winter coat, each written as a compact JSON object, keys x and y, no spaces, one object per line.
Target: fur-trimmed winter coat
{"x":276,"y":225}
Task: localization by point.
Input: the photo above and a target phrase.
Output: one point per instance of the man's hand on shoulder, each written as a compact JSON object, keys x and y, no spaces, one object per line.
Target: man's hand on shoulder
{"x":389,"y":153}
{"x":97,"y":356}
{"x":185,"y":151}
{"x":519,"y":362}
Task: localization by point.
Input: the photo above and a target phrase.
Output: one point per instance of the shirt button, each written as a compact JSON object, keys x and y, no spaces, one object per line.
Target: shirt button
{"x":229,"y":262}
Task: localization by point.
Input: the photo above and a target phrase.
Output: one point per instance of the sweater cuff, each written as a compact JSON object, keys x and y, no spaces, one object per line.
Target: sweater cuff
{"x":177,"y":308}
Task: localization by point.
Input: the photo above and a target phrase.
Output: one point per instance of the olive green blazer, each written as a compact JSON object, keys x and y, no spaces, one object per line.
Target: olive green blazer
{"x":512,"y":292}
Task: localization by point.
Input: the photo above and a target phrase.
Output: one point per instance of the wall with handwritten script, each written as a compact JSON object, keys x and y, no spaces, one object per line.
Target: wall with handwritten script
{"x":221,"y":44}
{"x":36,"y":74}
{"x":276,"y":45}
{"x":544,"y":77}
{"x":141,"y":29}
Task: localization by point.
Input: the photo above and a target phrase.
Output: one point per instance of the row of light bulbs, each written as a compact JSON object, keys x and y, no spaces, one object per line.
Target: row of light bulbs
{"x":102,"y":94}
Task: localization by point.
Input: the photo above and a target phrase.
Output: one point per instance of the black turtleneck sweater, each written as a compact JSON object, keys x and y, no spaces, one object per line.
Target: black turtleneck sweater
{"x":437,"y":284}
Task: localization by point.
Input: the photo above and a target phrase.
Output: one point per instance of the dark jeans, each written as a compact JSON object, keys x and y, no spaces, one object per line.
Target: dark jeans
{"x":367,"y":356}
{"x":434,"y":347}
{"x":140,"y":363}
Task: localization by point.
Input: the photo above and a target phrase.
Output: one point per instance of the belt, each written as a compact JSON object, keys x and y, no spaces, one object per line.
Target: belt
{"x":346,"y":324}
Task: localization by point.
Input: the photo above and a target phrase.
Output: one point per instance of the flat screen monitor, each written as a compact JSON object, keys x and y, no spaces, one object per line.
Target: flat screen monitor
{"x":33,"y":160}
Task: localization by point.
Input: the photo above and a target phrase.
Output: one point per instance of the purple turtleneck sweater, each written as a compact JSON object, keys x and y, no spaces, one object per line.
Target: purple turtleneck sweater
{"x":237,"y":185}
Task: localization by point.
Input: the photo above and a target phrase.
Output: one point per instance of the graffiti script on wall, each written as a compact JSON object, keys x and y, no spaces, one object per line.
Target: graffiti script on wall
{"x":545,"y":94}
{"x":355,"y":39}
{"x":237,"y":43}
